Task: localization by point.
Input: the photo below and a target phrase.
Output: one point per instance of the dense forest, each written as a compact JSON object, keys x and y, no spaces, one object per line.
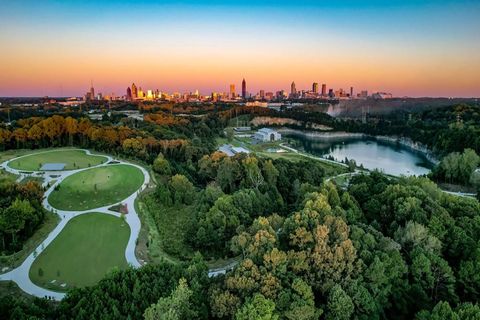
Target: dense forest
{"x":379,"y":248}
{"x":384,"y":248}
{"x":21,"y":212}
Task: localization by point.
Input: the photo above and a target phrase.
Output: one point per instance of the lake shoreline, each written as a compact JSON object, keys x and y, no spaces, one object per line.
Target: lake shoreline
{"x":406,"y":142}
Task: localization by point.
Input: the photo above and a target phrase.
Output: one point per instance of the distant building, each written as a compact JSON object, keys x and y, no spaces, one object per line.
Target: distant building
{"x":351,"y":92}
{"x":331,"y":94}
{"x":363,"y":94}
{"x":382,"y":95}
{"x":293,"y":89}
{"x":244,"y":89}
{"x":232,"y":91}
{"x":257,"y":104}
{"x":269,"y":95}
{"x":324,"y":90}
{"x":134,"y":91}
{"x":92,"y":92}
{"x":315,"y":87}
{"x":267,"y":134}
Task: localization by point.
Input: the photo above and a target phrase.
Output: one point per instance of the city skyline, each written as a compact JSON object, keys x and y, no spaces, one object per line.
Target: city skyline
{"x":56,"y":48}
{"x":137,"y":93}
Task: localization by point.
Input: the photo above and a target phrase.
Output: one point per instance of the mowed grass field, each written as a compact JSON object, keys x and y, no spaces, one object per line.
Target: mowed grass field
{"x":88,"y":247}
{"x":73,"y":159}
{"x":96,"y":187}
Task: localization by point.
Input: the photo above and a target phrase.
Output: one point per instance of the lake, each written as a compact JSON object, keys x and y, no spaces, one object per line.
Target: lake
{"x":391,"y":158}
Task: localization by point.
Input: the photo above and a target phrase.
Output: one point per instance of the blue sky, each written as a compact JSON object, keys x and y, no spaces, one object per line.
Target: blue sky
{"x":408,"y":47}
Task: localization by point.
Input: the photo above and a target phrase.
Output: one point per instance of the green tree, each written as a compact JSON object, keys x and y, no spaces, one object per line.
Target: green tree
{"x":182,"y":188}
{"x":433,"y":278}
{"x":475,"y":181}
{"x":13,"y":218}
{"x":253,"y":175}
{"x":176,"y":306}
{"x":270,"y":172}
{"x":442,"y":311}
{"x":301,"y":304}
{"x":339,"y":305}
{"x":161,"y":165}
{"x":258,"y":308}
{"x":229,"y":134}
{"x":228,"y":174}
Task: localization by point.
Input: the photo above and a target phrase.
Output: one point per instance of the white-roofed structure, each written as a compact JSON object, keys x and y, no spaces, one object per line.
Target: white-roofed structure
{"x":267,"y":135}
{"x":230,"y":150}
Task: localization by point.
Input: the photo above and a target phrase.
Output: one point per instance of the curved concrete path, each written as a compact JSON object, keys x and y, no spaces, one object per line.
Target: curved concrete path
{"x":20,"y":275}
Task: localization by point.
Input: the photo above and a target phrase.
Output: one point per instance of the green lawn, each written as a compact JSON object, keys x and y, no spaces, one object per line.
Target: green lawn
{"x":88,"y":247}
{"x":97,"y":187}
{"x":73,"y":159}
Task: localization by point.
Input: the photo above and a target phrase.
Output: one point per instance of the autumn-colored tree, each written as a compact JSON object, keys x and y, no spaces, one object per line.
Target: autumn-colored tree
{"x":71,"y":127}
{"x":5,"y":136}
{"x":20,"y":135}
{"x":223,"y":304}
{"x":133,"y":146}
{"x":35,"y":134}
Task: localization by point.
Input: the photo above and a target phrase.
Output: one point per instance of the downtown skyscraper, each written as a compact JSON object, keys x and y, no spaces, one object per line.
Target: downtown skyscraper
{"x":244,"y":89}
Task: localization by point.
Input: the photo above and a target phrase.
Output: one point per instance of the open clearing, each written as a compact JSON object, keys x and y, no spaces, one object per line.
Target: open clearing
{"x":88,"y":247}
{"x":73,"y":159}
{"x":96,"y":187}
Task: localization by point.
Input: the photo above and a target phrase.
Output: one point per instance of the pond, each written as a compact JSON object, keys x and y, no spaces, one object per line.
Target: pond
{"x":391,"y":158}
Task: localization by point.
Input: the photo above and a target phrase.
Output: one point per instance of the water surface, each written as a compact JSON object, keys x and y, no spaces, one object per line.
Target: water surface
{"x":391,"y":158}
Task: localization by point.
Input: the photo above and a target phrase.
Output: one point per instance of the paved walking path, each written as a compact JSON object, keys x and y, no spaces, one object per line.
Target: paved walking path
{"x":20,"y":274}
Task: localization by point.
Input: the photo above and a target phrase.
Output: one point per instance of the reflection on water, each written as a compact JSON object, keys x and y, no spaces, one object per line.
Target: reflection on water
{"x":390,"y":158}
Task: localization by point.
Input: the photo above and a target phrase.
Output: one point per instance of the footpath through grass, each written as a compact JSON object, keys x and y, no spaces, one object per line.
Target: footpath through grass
{"x":97,"y":187}
{"x":73,"y":159}
{"x":88,"y":247}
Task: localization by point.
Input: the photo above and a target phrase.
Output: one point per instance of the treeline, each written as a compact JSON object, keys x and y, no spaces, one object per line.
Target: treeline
{"x":458,"y":168}
{"x":444,"y":130}
{"x":180,"y":143}
{"x":21,"y":213}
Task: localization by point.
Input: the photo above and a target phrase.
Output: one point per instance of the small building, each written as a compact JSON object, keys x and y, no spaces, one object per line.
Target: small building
{"x":230,"y":150}
{"x":267,"y":135}
{"x":242,"y":129}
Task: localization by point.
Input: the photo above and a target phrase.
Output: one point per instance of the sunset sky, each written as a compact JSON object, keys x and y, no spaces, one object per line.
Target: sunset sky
{"x":409,"y":48}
